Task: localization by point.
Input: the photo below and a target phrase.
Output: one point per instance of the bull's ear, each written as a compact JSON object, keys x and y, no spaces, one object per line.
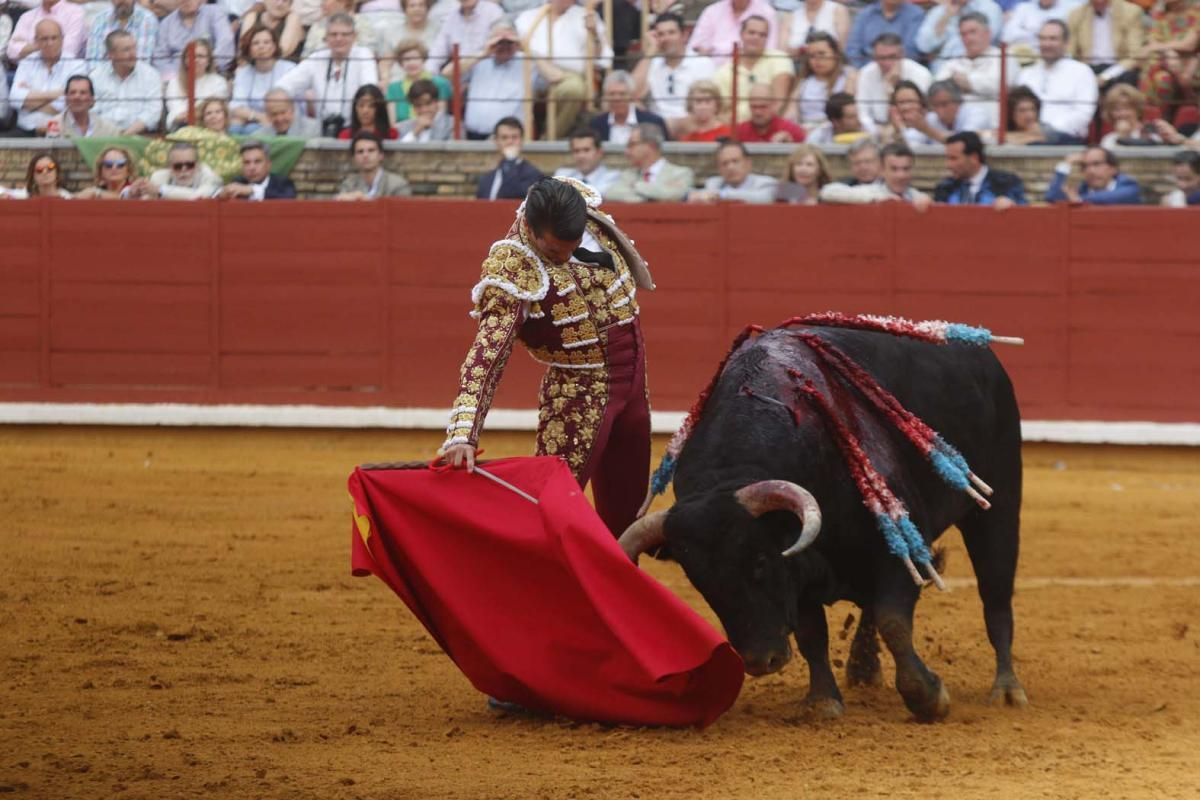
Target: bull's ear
{"x":645,"y":534}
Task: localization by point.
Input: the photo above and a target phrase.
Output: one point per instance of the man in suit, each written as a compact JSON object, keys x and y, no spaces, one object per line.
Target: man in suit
{"x":587,"y":153}
{"x":734,"y":182}
{"x":1103,"y":182}
{"x":651,"y":177}
{"x":1113,"y":60}
{"x":971,"y":181}
{"x":511,"y":179}
{"x":256,"y":181}
{"x":370,"y":180}
{"x":615,"y":126}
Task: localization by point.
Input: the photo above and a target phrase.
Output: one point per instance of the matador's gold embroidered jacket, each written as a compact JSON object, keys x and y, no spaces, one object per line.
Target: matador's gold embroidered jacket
{"x":560,"y":312}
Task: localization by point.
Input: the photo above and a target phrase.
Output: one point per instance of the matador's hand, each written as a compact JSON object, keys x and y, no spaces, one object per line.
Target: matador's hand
{"x":458,"y":455}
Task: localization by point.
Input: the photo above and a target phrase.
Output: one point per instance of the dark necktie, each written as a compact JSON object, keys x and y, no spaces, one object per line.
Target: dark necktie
{"x":598,"y":257}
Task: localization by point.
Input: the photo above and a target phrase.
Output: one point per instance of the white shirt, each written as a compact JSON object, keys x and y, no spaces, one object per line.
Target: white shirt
{"x":258,"y":191}
{"x":1102,"y":43}
{"x":333,"y":85}
{"x":1028,"y":17}
{"x":570,"y":38}
{"x":209,"y":85}
{"x":601,"y":178}
{"x":1068,"y":93}
{"x":669,"y":85}
{"x":138,"y":97}
{"x":34,"y":76}
{"x":983,"y":72}
{"x":619,"y":130}
{"x":874,"y":94}
{"x":250,"y":86}
{"x":976,"y":183}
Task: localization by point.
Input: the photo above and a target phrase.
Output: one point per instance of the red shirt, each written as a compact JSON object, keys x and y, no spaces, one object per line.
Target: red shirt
{"x":392,"y":133}
{"x":710,"y":135}
{"x":746,"y":132}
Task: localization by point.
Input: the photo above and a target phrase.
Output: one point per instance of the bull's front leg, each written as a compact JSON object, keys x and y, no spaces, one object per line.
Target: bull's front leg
{"x":823,"y":701}
{"x":920,"y":687}
{"x":862,"y":668}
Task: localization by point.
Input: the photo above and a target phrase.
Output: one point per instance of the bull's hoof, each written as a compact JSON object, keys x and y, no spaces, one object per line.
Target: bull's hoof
{"x":823,"y":709}
{"x":1008,"y":691}
{"x":864,"y":672}
{"x":932,"y":706}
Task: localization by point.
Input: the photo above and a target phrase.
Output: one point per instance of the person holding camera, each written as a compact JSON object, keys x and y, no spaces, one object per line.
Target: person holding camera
{"x":333,"y":75}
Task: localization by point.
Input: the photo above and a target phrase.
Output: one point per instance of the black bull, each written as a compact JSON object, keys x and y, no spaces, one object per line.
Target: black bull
{"x":731,"y":550}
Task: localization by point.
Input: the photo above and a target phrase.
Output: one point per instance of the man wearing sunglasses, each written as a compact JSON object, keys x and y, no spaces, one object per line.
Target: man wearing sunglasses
{"x":184,"y":178}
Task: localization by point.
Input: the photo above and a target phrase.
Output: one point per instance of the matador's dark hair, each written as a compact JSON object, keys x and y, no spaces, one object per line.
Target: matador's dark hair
{"x":556,"y":207}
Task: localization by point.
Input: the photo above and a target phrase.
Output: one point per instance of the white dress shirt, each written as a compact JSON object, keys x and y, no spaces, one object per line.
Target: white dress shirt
{"x":570,"y":38}
{"x":1068,"y":91}
{"x":669,"y":85}
{"x":34,"y":76}
{"x":601,"y":178}
{"x":619,"y":129}
{"x":138,"y":97}
{"x":874,"y":94}
{"x":1103,"y":51}
{"x":332,"y":85}
{"x":1027,"y":18}
{"x":983,"y":72}
{"x":470,"y":33}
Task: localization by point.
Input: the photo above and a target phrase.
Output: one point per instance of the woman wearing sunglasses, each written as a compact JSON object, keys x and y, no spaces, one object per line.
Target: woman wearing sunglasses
{"x":114,"y":175}
{"x":42,"y":179}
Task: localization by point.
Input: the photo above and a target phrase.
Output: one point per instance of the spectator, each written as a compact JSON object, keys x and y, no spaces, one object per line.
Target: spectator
{"x":213,"y":115}
{"x":1026,"y":19}
{"x":428,"y":122}
{"x":898,"y":17}
{"x":283,"y":119}
{"x":513,"y":176}
{"x":208,"y":82}
{"x":977,"y":70}
{"x":1066,"y":87}
{"x":281,"y":20}
{"x":411,"y":55}
{"x":1169,"y":70}
{"x":1024,"y":121}
{"x":5,"y":110}
{"x":115,"y":169}
{"x":587,"y":153}
{"x":129,"y":92}
{"x":971,"y":181}
{"x":78,"y":121}
{"x":866,"y":165}
{"x":842,"y":126}
{"x":42,"y":179}
{"x":123,"y":15}
{"x":757,"y":66}
{"x":495,"y":82}
{"x":717,"y":29}
{"x":1172,"y":135}
{"x":734,"y":181}
{"x":908,"y":117}
{"x":877,"y":81}
{"x":666,"y":78}
{"x":813,"y":16}
{"x":1114,"y":58}
{"x":370,"y":113}
{"x":72,"y":29}
{"x":825,"y":73}
{"x":764,"y":124}
{"x":1122,"y":110}
{"x":41,"y":80}
{"x":939,"y":36}
{"x":470,"y":26}
{"x":252,"y":81}
{"x":257,"y":182}
{"x":370,"y":180}
{"x":560,"y":72}
{"x":333,"y":75}
{"x":704,"y":106}
{"x":948,"y":114}
{"x":896,"y":184}
{"x":191,"y":21}
{"x":366,"y":34}
{"x":184,"y":178}
{"x":418,"y":24}
{"x":1185,"y":170}
{"x":622,"y":117}
{"x":650,"y":176}
{"x":1103,"y":182}
{"x":806,"y":173}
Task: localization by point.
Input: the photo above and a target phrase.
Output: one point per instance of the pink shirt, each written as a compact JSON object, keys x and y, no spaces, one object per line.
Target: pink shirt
{"x":70,"y":18}
{"x":720,"y":28}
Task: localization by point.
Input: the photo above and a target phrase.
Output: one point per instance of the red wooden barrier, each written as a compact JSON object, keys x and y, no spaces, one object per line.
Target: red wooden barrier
{"x":366,"y":304}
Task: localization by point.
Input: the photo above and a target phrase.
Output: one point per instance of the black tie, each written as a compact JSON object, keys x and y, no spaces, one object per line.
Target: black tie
{"x":600,"y":257}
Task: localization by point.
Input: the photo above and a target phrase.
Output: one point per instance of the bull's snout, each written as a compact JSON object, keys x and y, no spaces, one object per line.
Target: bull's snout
{"x":767,"y":662}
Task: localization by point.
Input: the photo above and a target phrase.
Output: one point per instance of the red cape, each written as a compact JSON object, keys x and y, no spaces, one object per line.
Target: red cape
{"x":537,"y":604}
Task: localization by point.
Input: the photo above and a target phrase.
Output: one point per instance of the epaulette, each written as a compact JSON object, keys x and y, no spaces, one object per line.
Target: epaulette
{"x":515,"y":268}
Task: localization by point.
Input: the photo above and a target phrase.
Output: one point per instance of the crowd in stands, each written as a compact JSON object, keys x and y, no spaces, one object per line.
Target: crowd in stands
{"x":883,"y":77}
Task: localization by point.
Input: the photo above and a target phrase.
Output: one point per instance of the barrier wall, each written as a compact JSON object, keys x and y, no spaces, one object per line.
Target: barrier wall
{"x":365,"y":304}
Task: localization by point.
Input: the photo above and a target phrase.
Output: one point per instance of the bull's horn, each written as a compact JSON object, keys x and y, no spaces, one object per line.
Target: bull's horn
{"x":644,"y":534}
{"x":759,"y":498}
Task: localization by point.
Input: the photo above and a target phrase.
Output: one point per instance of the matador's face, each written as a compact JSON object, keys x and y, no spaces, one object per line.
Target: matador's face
{"x":555,"y":249}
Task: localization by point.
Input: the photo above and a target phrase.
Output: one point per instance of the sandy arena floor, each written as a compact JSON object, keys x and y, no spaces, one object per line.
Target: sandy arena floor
{"x":177,"y":620}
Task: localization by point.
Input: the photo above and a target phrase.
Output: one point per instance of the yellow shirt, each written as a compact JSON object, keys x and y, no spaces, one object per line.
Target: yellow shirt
{"x":771,"y":64}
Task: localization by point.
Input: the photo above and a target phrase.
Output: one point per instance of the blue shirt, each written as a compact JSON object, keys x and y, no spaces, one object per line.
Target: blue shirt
{"x":871,"y":22}
{"x":142,"y":24}
{"x":496,"y":91}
